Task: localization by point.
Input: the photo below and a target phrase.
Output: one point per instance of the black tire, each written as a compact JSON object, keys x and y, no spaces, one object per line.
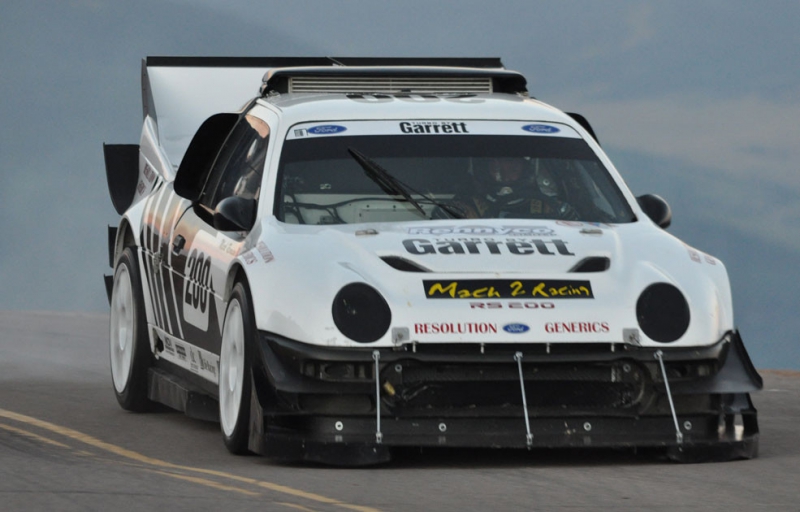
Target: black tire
{"x":235,"y":363}
{"x":129,"y":347}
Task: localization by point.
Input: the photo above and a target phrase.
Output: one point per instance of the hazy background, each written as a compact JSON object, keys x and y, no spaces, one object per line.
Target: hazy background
{"x":697,"y":101}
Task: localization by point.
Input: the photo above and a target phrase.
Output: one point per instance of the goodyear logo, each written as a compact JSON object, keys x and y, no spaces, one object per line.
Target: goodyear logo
{"x":507,"y":289}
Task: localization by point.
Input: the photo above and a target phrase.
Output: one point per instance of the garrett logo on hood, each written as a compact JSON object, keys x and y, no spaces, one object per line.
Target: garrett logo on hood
{"x":421,"y":246}
{"x":508,"y":288}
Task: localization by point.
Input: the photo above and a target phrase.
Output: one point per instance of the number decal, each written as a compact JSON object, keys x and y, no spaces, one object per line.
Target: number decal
{"x":198,"y":287}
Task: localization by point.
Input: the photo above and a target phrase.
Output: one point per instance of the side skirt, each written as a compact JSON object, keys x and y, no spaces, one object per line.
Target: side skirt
{"x":179,"y":394}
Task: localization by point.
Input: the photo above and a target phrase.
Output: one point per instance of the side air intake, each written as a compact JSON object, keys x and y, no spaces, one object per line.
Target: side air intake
{"x":592,"y":264}
{"x":403,"y":264}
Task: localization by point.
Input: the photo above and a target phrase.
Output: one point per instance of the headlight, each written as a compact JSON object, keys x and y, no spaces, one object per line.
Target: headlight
{"x":662,"y":312}
{"x":361,"y":313}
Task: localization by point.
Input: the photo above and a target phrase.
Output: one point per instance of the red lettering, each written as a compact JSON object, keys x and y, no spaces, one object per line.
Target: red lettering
{"x":576,"y":327}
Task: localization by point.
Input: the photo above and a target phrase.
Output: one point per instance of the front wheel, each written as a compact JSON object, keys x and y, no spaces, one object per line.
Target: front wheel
{"x":234,"y":371}
{"x":129,"y":347}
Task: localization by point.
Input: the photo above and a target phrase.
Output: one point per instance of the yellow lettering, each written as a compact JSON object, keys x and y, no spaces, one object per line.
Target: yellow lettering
{"x":584,"y":290}
{"x":478,"y":294}
{"x":493,"y":292}
{"x":539,"y":290}
{"x":463,"y":294}
{"x":450,"y":289}
{"x":516,"y":289}
{"x":562,"y":291}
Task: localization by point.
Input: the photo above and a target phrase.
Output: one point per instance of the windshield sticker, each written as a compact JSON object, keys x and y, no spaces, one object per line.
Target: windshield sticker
{"x":420,"y":247}
{"x":433,"y":127}
{"x":426,"y":127}
{"x":507,"y":289}
{"x":483,"y":230}
{"x":540,"y":128}
{"x":326,"y":129}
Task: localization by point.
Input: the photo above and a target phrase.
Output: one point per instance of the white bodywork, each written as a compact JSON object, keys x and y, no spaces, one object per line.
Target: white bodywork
{"x":294,"y":271}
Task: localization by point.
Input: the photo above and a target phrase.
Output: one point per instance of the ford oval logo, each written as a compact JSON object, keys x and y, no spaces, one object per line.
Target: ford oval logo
{"x":326,"y":129}
{"x":516,"y":328}
{"x":540,"y":128}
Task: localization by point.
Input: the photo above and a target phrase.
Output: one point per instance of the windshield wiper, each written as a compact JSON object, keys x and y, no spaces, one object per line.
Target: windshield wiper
{"x":394,"y":187}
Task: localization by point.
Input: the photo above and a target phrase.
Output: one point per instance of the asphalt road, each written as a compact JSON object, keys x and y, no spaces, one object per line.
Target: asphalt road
{"x":66,"y":445}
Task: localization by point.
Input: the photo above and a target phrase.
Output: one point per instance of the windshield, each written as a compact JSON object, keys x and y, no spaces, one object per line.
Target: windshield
{"x":392,"y":171}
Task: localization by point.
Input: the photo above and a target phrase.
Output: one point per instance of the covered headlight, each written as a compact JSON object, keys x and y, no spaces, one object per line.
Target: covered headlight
{"x":662,"y":312}
{"x":361,"y":313}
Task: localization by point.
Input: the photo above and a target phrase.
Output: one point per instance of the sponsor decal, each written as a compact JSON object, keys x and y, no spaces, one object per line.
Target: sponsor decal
{"x":249,"y":257}
{"x":140,"y":187}
{"x":699,"y":257}
{"x":512,"y":305}
{"x":507,"y":289}
{"x":264,"y":251}
{"x":181,"y":350}
{"x":576,"y":327}
{"x":516,"y":328}
{"x":421,"y":246}
{"x":228,"y":247}
{"x":455,"y":328}
{"x":483,"y":230}
{"x":326,"y":129}
{"x":149,"y":173}
{"x":540,"y":128}
{"x":206,"y":365}
{"x":433,"y":127}
{"x":193,"y":365}
{"x":168,"y":345}
{"x":576,"y":224}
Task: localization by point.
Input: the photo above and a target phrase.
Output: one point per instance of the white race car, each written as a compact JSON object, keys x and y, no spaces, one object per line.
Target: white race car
{"x":406,"y":252}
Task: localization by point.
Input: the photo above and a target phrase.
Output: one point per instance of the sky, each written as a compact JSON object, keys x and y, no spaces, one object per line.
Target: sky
{"x":697,"y":101}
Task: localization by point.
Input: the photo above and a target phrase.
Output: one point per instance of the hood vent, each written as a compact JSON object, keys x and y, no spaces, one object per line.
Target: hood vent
{"x":592,"y":264}
{"x":403,"y":264}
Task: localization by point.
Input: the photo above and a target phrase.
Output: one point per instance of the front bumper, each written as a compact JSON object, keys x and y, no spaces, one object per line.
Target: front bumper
{"x":320,"y":403}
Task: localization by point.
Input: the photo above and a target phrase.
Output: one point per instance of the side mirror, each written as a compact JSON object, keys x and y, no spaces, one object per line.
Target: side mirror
{"x":235,"y":213}
{"x":656,"y":208}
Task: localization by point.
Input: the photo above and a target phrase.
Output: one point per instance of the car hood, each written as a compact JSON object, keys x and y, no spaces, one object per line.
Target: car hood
{"x":492,"y":247}
{"x":485,"y":268}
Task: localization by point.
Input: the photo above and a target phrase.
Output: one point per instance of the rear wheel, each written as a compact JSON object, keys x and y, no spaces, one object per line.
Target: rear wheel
{"x":129,"y":352}
{"x":235,"y":384}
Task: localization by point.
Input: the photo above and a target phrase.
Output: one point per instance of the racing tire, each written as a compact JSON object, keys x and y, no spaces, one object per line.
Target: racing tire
{"x":129,"y":348}
{"x":235,"y":362}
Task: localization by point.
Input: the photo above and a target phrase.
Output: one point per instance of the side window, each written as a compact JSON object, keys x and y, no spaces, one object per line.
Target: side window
{"x":240,"y":163}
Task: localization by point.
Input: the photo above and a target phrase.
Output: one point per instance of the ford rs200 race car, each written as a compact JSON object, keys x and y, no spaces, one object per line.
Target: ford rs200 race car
{"x":334,"y":257}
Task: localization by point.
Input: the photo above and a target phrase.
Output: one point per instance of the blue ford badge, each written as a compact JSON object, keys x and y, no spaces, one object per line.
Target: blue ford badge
{"x":516,"y":328}
{"x":326,"y":129}
{"x":539,"y":128}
